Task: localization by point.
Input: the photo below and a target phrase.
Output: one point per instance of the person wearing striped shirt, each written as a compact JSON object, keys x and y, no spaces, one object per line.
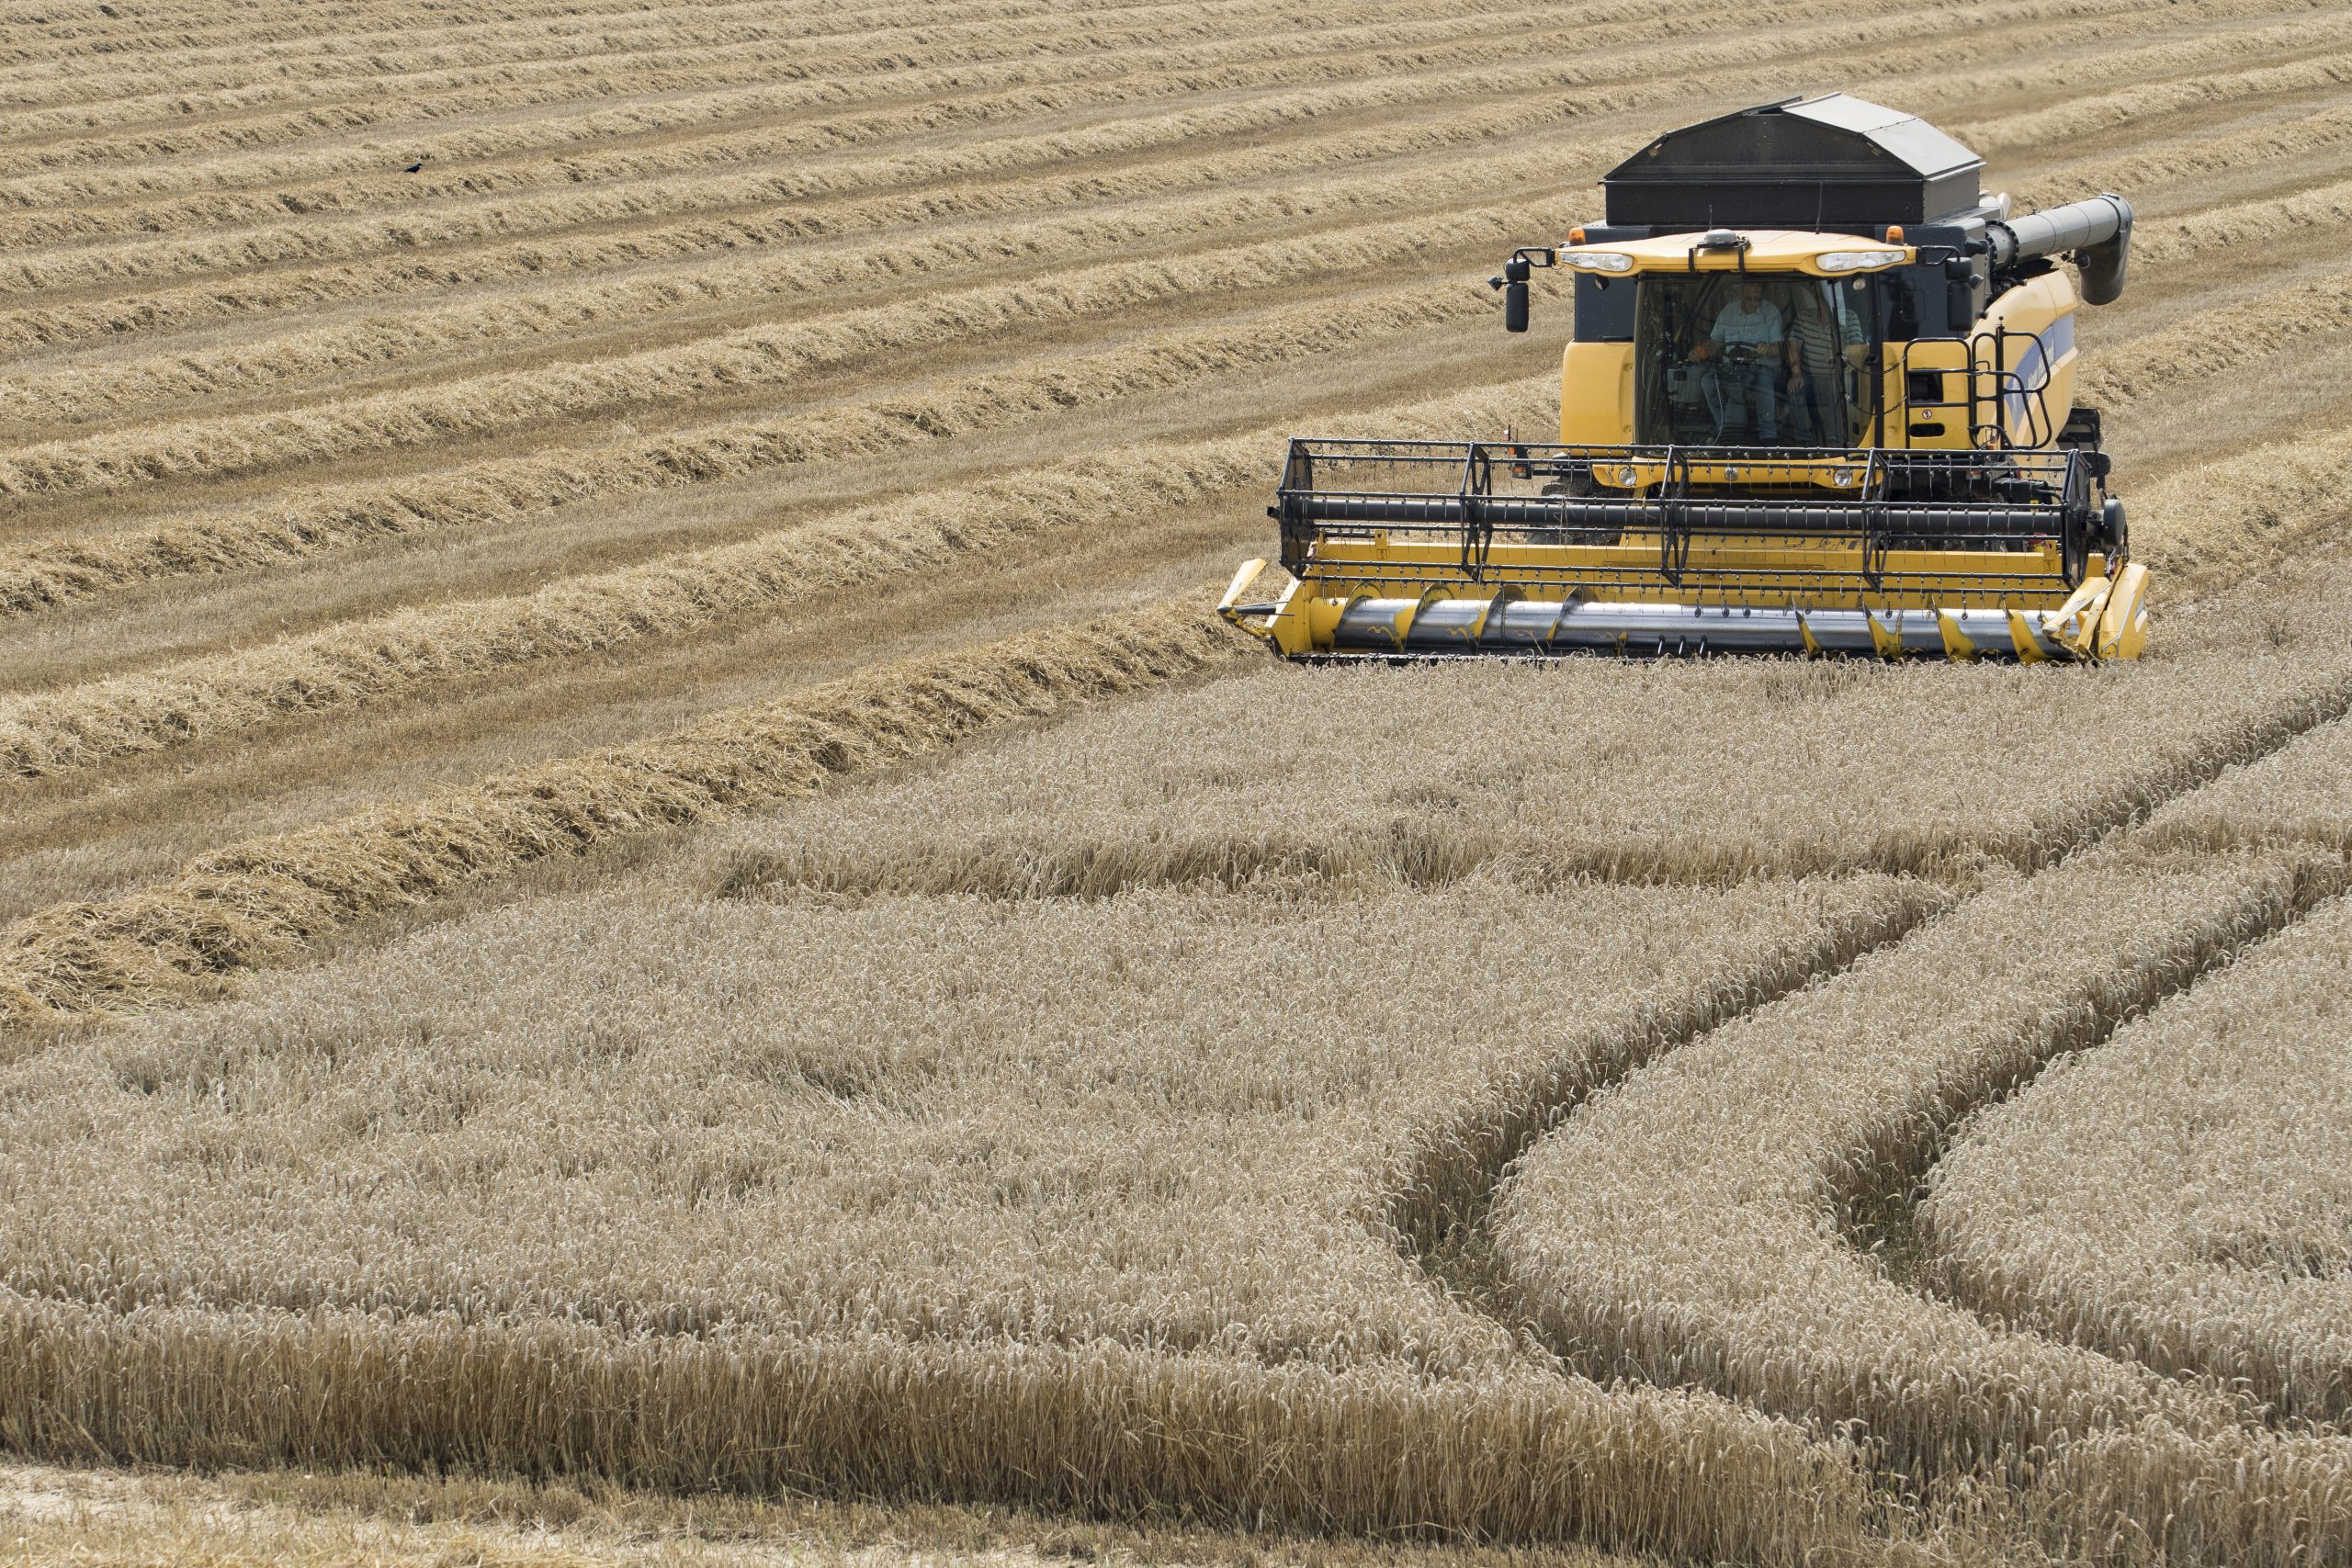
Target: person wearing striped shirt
{"x":1817,"y":341}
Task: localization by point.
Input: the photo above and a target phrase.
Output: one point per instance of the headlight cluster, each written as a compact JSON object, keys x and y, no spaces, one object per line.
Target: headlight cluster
{"x":1597,"y":260}
{"x":1856,"y":261}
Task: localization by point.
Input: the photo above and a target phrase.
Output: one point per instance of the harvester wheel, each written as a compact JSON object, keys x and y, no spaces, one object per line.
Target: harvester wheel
{"x":1576,"y":484}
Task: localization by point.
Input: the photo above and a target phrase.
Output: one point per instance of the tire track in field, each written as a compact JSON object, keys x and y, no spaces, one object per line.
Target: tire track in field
{"x":1878,"y":1214}
{"x":1443,"y":1206}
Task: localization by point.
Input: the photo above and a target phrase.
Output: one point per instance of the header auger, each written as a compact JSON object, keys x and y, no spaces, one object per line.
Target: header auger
{"x":1846,"y":428}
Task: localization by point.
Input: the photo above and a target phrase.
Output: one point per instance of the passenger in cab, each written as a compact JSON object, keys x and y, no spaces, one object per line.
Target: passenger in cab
{"x":1822,"y":344}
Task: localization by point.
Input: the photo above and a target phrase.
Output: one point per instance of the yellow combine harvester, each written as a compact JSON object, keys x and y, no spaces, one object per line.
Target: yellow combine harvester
{"x":1819,"y":399}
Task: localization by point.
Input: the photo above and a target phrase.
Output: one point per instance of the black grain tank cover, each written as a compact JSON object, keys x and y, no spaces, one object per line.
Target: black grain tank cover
{"x":1831,"y":162}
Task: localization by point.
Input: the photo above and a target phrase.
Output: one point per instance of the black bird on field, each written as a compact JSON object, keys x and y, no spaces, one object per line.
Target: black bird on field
{"x":415,"y":168}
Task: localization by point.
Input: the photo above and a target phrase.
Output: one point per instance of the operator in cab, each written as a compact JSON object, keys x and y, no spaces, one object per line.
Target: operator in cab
{"x":1742,"y":357}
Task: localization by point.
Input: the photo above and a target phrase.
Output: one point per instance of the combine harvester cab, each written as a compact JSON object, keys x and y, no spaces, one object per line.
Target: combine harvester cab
{"x":1819,"y":400}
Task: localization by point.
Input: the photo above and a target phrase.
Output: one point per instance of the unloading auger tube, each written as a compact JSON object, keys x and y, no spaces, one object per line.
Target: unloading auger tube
{"x":1818,"y":400}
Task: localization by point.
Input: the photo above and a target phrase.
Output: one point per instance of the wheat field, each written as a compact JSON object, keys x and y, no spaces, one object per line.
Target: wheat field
{"x":647,"y":919}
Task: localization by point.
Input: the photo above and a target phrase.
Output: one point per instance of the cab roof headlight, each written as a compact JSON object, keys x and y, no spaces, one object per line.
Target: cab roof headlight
{"x":1597,"y":260}
{"x":1856,"y":261}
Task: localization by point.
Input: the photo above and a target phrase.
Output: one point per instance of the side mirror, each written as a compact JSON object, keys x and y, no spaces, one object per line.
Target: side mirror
{"x":1514,"y":281}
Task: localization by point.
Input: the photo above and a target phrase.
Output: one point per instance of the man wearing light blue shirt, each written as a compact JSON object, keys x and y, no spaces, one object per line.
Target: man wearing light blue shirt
{"x":1742,"y":355}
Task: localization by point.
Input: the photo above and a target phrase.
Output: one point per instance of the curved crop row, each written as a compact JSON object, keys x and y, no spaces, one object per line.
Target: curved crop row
{"x":2175,"y":1196}
{"x":1676,"y":1228}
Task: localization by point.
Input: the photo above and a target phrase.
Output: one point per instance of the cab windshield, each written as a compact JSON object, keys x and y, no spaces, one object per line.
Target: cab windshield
{"x":1733,"y":359}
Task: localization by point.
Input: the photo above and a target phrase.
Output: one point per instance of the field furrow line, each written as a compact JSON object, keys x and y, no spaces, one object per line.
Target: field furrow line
{"x":510,"y":488}
{"x":761,"y":358}
{"x":720,"y":153}
{"x":2154,"y":364}
{"x":330,"y":31}
{"x":777,"y":356}
{"x":2147,"y":170}
{"x":738,"y":84}
{"x":77,"y":392}
{"x":944,"y":110}
{"x":116,"y":461}
{"x":677,"y":42}
{"x":247,"y":905}
{"x":675,"y":595}
{"x":1426,"y":76}
{"x":308,"y":180}
{"x":190,"y":303}
{"x":2201,"y":528}
{"x":2094,"y":113}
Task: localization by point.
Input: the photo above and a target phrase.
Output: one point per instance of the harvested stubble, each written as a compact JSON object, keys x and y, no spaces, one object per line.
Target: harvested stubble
{"x":776,"y":357}
{"x":1428,"y":774}
{"x":719,"y":123}
{"x":211,"y":696}
{"x":1080,"y":1207}
{"x":2181,"y":1196}
{"x":78,"y":392}
{"x":244,"y":185}
{"x":1425,"y":76}
{"x":2213,"y":342}
{"x":475,"y":494}
{"x":660,"y":54}
{"x":1120,"y":208}
{"x":1684,"y":1228}
{"x":738,"y":97}
{"x":247,"y":904}
{"x":761,"y":357}
{"x":739,"y":220}
{"x":775,"y":353}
